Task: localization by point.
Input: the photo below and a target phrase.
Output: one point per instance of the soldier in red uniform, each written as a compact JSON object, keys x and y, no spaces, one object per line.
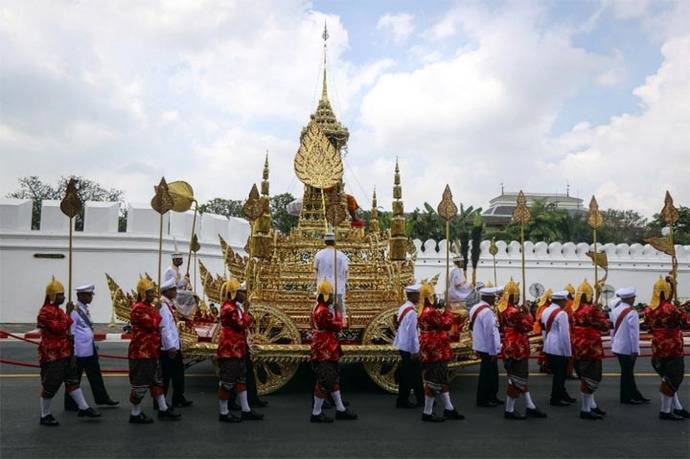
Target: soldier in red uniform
{"x":434,"y":352}
{"x":666,"y":321}
{"x":516,"y":323}
{"x":56,"y":355}
{"x":235,"y":320}
{"x":144,"y":352}
{"x":589,"y":323}
{"x":325,"y":353}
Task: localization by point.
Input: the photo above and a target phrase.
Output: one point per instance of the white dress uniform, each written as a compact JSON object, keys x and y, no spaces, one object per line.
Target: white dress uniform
{"x":173,"y":273}
{"x":407,"y":337}
{"x":557,"y":340}
{"x":626,"y":340}
{"x":485,"y":334}
{"x":82,"y":331}
{"x":323,"y":264}
{"x":459,"y":289}
{"x":170,"y":336}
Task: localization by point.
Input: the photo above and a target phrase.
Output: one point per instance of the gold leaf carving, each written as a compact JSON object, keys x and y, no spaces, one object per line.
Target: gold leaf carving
{"x":594,"y":217}
{"x":255,"y":207}
{"x":71,"y":204}
{"x":195,"y":243}
{"x":447,"y":208}
{"x":162,"y":201}
{"x":669,"y":212}
{"x":317,"y":162}
{"x":521,"y":214}
{"x":662,"y":244}
{"x":600,"y":259}
{"x":493,"y":248}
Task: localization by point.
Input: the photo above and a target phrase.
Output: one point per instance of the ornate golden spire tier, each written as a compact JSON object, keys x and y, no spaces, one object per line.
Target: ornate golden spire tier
{"x":374,"y":221}
{"x":262,"y":239}
{"x":398,"y":241}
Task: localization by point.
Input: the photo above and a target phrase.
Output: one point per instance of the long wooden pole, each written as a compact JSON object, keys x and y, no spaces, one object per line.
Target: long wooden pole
{"x":191,"y":238}
{"x":596,"y":267}
{"x":69,"y":263}
{"x":674,"y":264}
{"x":522,"y":252}
{"x":495,"y":278}
{"x":447,"y":260}
{"x":160,"y":251}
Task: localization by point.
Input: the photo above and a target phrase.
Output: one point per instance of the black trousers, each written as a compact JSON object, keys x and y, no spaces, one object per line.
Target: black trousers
{"x":92,"y":367}
{"x":628,"y":389}
{"x":410,"y":378}
{"x":172,"y":370}
{"x":559,"y":365}
{"x":487,"y":387}
{"x":252,"y":394}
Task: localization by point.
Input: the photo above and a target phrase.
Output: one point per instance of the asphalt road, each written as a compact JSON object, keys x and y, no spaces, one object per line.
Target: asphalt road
{"x":382,"y":430}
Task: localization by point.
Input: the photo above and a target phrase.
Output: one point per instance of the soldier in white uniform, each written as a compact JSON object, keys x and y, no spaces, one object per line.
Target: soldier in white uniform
{"x":85,"y":350}
{"x":458,"y":288}
{"x":173,"y":272}
{"x":324,"y":262}
{"x":486,"y":342}
{"x":171,"y":359}
{"x":625,"y":343}
{"x":407,"y":342}
{"x":556,"y":332}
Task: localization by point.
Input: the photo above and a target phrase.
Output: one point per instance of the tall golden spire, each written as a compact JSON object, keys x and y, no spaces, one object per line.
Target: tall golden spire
{"x":264,"y":183}
{"x":398,"y":241}
{"x":374,"y":220}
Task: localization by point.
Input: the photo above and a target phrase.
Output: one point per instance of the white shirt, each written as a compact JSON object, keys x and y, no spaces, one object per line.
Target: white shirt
{"x":485,"y":335}
{"x":556,"y":341}
{"x":173,"y":272}
{"x":170,"y":337}
{"x":458,"y":289}
{"x":82,"y":332}
{"x":627,"y":340}
{"x":407,"y":336}
{"x":323,"y":264}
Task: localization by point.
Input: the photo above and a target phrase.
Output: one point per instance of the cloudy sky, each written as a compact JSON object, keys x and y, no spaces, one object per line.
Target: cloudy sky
{"x":534,"y":95}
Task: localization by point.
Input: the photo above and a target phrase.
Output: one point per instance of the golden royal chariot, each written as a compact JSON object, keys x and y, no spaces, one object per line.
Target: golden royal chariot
{"x":278,"y":269}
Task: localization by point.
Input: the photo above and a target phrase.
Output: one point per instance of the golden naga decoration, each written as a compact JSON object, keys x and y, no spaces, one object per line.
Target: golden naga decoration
{"x":318,"y":163}
{"x":666,"y":244}
{"x":669,"y":213}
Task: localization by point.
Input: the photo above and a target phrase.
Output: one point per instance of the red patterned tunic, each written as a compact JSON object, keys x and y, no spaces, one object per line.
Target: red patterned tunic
{"x":666,"y":323}
{"x":233,"y":335}
{"x":54,"y":324}
{"x":434,"y":344}
{"x":324,"y":342}
{"x":589,"y":322}
{"x":515,"y":326}
{"x":146,"y":336}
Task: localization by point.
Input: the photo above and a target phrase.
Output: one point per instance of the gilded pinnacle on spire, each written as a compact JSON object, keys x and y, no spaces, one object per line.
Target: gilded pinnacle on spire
{"x":374,"y":221}
{"x":265,"y":183}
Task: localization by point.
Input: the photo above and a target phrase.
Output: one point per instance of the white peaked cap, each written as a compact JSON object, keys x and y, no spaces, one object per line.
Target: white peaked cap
{"x":176,"y":255}
{"x":89,"y":288}
{"x":413,"y":288}
{"x":560,"y":295}
{"x":625,"y":292}
{"x":490,"y":291}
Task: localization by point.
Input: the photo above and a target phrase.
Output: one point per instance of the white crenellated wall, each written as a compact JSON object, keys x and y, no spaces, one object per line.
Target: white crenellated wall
{"x":100,"y":249}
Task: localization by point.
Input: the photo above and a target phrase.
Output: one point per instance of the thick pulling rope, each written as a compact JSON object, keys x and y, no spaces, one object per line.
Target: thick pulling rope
{"x":36,"y":343}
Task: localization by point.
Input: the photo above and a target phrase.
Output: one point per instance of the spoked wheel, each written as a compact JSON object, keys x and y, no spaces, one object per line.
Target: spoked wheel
{"x":272,"y":326}
{"x":382,"y":331}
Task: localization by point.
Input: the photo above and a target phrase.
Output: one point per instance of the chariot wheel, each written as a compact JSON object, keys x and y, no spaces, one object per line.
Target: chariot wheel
{"x":272,"y":326}
{"x":382,"y":331}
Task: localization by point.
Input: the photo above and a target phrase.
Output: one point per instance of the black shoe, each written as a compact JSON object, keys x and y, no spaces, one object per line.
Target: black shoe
{"x":73,"y":408}
{"x":535,"y":413}
{"x":571,"y":377}
{"x":670,"y":417}
{"x":346,"y":415}
{"x":252,"y":416}
{"x":559,"y":403}
{"x":258,"y":403}
{"x":589,"y":415}
{"x":514,"y":415}
{"x":235,"y":407}
{"x":683,"y":413}
{"x":49,"y":421}
{"x":321,"y":418}
{"x":432,"y":418}
{"x":453,"y":415}
{"x":405,"y":404}
{"x":229,"y":418}
{"x":169,"y":415}
{"x":642,"y":399}
{"x":108,"y":402}
{"x":489,"y":404}
{"x":140,"y":418}
{"x":598,"y":411}
{"x":498,"y":401}
{"x":632,"y":402}
{"x":89,"y":413}
{"x":182,"y":403}
{"x":567,"y":398}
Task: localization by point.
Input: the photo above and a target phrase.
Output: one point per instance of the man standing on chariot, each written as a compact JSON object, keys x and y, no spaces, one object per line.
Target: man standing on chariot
{"x":324,"y":262}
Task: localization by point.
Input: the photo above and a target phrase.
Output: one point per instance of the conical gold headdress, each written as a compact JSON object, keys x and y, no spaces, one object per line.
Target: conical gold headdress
{"x":583,"y":289}
{"x":659,"y":286}
{"x":231,"y":286}
{"x":512,"y":288}
{"x":54,"y":288}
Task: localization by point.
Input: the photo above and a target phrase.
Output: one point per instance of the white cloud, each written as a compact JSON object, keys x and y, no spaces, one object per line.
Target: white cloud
{"x":399,"y":25}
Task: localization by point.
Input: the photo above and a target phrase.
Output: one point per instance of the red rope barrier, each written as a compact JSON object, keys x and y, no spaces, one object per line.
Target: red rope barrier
{"x":33,"y":365}
{"x":21,"y":338}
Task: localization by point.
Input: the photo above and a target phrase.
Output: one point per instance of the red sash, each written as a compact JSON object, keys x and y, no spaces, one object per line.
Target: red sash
{"x":620,"y":318}
{"x":403,"y":314}
{"x":552,"y":317}
{"x":476,"y":313}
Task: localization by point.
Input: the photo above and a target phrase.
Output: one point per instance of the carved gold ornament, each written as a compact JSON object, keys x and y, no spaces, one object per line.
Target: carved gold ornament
{"x":493,"y":248}
{"x":182,"y":195}
{"x":71,"y":204}
{"x":662,"y":244}
{"x":599,"y":258}
{"x":255,"y":207}
{"x":162,"y":201}
{"x":594,"y":217}
{"x":318,"y":163}
{"x":195,"y":243}
{"x":521,"y":214}
{"x":447,"y":208}
{"x":669,"y":212}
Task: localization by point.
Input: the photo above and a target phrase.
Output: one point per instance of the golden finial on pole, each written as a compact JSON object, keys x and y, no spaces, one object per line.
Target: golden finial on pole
{"x":493,"y":250}
{"x":522,"y":216}
{"x":447,"y":210}
{"x":162,"y":202}
{"x":70,"y":205}
{"x":595,"y":219}
{"x":374,"y":220}
{"x":398,"y":240}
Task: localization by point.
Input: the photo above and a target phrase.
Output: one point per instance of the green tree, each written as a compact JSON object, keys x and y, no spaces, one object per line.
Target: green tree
{"x":681,"y":229}
{"x":427,"y":224}
{"x":282,"y":220}
{"x":548,"y":224}
{"x":622,"y":226}
{"x":221,"y":206}
{"x":32,"y":187}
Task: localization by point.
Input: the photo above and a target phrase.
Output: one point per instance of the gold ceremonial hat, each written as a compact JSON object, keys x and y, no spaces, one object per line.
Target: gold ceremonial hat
{"x":324,"y":288}
{"x":545,"y":299}
{"x":583,"y":289}
{"x":570,"y":289}
{"x":231,"y":286}
{"x":54,"y":288}
{"x":143,"y":286}
{"x":426,"y":293}
{"x":659,"y":286}
{"x":512,"y":288}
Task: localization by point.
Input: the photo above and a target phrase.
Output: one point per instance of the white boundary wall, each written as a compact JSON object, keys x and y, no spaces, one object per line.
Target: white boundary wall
{"x":100,"y":249}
